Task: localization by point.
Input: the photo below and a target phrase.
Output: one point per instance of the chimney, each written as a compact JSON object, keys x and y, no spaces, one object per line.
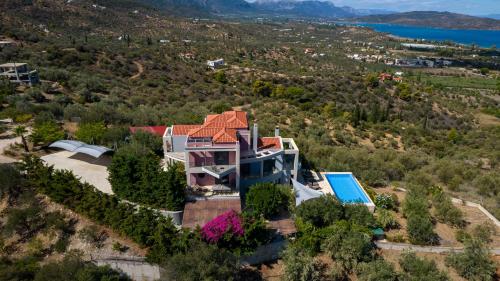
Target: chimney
{"x":277,"y":131}
{"x":255,"y":137}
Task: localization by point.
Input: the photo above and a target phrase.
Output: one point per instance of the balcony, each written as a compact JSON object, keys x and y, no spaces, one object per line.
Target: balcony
{"x":209,"y":144}
{"x":217,"y":169}
{"x":216,"y":190}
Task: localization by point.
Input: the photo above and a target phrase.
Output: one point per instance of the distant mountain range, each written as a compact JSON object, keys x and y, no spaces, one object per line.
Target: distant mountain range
{"x":434,"y":19}
{"x":279,"y":8}
{"x":202,"y":7}
{"x":319,"y":9}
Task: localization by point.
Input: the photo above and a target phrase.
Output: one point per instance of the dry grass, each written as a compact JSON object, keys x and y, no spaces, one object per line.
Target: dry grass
{"x":393,"y":256}
{"x":487,"y":120}
{"x":472,"y":216}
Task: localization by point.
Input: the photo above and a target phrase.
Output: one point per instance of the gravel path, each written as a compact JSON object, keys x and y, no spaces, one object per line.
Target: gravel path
{"x":425,"y":249}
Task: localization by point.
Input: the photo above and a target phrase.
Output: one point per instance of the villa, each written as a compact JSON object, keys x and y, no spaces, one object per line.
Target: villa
{"x":224,"y":155}
{"x":18,"y":73}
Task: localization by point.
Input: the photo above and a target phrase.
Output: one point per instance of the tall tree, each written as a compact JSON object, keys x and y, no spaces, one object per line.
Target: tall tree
{"x":136,"y":174}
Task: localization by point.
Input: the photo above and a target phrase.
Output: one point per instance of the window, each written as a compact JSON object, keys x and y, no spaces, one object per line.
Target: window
{"x":269,"y":166}
{"x":289,"y":161}
{"x":221,"y":157}
{"x":250,"y":170}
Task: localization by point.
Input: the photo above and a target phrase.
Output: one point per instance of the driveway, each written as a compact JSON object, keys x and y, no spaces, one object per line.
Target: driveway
{"x":89,"y":169}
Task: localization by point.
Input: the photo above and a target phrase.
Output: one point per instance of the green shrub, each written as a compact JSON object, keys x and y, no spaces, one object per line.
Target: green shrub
{"x":446,"y":212}
{"x":62,"y":244}
{"x":484,"y":232}
{"x":349,"y":246}
{"x":91,"y":133}
{"x":415,"y":268}
{"x":360,"y":215}
{"x":72,"y":267}
{"x":397,"y":238}
{"x":268,"y":199}
{"x":117,"y":246}
{"x":148,"y":140}
{"x":299,"y":266}
{"x":136,"y":174}
{"x":321,"y":212}
{"x":220,"y":76}
{"x":386,"y":201}
{"x":11,"y":181}
{"x":474,"y":263}
{"x":377,"y":270}
{"x":92,"y":235}
{"x":419,"y":222}
{"x":387,"y":219}
{"x":46,"y":133}
{"x":461,"y":235}
{"x":202,"y":262}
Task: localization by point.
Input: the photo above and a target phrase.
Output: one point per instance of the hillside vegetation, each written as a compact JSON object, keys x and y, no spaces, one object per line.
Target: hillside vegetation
{"x":109,"y":67}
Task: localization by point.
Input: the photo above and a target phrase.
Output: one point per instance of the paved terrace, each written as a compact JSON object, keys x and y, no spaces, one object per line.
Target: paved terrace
{"x":202,"y":211}
{"x":91,"y":170}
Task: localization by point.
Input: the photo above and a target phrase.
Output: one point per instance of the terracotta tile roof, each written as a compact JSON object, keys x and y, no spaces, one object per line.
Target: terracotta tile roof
{"x":228,"y":119}
{"x":204,"y":132}
{"x":219,"y":127}
{"x":155,"y":130}
{"x":225,"y":136}
{"x":182,"y":130}
{"x":202,"y":211}
{"x":269,"y":143}
{"x":385,"y":76}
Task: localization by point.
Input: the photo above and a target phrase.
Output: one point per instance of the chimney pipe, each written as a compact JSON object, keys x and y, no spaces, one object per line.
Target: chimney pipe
{"x":255,"y":137}
{"x":277,"y":131}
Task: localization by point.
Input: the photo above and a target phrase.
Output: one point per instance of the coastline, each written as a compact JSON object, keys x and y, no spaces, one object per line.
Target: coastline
{"x":481,"y":38}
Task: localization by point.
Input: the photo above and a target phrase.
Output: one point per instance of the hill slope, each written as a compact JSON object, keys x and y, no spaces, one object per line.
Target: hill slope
{"x":307,"y":9}
{"x":435,"y":19}
{"x":201,"y":7}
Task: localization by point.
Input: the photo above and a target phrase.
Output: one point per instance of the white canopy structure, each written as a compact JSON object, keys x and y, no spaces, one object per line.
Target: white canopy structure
{"x":81,"y":147}
{"x":304,"y":193}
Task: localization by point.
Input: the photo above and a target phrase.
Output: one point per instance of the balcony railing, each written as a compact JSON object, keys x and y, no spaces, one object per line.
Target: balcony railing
{"x":209,"y":144}
{"x":210,"y":161}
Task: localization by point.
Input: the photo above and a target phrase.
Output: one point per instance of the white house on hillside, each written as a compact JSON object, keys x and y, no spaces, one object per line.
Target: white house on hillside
{"x":213,"y":64}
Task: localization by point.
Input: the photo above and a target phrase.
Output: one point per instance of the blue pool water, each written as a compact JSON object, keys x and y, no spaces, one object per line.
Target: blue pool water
{"x":346,"y":188}
{"x":483,"y":38}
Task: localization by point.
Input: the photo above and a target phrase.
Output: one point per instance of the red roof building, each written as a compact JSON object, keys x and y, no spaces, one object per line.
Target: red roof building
{"x":225,"y":154}
{"x":384,"y":76}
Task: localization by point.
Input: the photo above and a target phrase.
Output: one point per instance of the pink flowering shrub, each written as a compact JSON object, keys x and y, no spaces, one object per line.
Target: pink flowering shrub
{"x":225,"y":226}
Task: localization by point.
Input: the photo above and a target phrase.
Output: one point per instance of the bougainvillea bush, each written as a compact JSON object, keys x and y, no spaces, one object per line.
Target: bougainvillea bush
{"x":226,"y":226}
{"x":241,"y":234}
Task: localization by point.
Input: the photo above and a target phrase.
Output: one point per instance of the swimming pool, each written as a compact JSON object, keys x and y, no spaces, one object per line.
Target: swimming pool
{"x":347,"y":189}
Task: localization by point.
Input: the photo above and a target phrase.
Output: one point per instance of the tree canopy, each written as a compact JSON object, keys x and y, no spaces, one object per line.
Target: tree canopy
{"x":135,"y":174}
{"x":268,"y":199}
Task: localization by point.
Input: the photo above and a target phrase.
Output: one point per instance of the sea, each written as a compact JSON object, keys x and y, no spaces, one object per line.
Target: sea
{"x":482,"y":38}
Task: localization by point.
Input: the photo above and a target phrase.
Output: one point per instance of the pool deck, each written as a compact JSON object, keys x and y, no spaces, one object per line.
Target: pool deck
{"x":324,"y":184}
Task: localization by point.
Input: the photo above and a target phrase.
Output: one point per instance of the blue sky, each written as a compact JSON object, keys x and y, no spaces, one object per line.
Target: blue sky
{"x":473,"y":7}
